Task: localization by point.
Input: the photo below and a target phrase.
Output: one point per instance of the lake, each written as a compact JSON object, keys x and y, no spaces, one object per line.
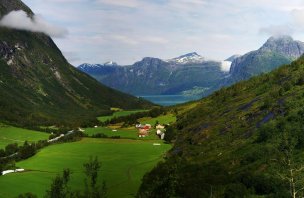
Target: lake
{"x":169,"y":100}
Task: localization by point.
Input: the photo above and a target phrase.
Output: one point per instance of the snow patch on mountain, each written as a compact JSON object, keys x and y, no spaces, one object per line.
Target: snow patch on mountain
{"x":89,"y":66}
{"x":190,"y":58}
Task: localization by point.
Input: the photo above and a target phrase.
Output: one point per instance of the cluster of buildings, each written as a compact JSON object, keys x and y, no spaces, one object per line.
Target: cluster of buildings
{"x":144,"y":129}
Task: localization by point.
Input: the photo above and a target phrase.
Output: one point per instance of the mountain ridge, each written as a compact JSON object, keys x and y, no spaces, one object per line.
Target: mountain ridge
{"x":157,"y":76}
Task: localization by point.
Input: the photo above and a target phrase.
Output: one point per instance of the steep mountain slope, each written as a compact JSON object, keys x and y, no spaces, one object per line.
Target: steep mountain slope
{"x":38,"y":85}
{"x":241,"y":141}
{"x":156,"y":76}
{"x":274,"y":53}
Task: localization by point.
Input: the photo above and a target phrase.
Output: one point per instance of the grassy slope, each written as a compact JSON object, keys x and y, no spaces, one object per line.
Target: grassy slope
{"x":9,"y":135}
{"x":124,"y":162}
{"x":163,"y":119}
{"x":118,"y":114}
{"x":235,"y":139}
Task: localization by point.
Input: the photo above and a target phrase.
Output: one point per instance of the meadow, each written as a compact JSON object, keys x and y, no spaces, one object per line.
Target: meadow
{"x":118,"y":114}
{"x":162,"y":119}
{"x":10,"y":135}
{"x":124,"y":163}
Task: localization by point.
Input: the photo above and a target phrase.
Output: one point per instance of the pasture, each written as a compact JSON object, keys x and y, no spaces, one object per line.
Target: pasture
{"x":124,"y":163}
{"x":118,"y":114}
{"x":162,"y":119}
{"x":10,"y":135}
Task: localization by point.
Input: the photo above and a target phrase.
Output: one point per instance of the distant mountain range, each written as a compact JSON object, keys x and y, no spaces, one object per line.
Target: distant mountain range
{"x":155,"y":76}
{"x":192,"y":73}
{"x":39,"y":87}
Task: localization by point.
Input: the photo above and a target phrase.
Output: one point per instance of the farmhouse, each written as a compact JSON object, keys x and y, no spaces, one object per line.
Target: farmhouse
{"x":145,"y":126}
{"x":142,"y":133}
{"x":143,"y":130}
{"x":160,"y":133}
{"x":159,"y":126}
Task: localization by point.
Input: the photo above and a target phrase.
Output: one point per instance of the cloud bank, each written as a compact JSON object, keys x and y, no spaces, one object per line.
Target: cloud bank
{"x":277,"y":30}
{"x":21,"y":21}
{"x":225,"y":66}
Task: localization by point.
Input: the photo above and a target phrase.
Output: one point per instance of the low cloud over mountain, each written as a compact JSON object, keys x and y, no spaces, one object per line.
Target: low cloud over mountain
{"x":21,"y":21}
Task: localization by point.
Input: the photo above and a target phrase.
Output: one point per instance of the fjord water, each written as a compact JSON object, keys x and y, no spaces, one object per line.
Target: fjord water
{"x":170,"y":100}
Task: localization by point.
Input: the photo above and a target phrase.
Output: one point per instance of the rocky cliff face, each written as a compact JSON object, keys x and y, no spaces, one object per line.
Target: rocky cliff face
{"x":9,"y":5}
{"x":284,"y":45}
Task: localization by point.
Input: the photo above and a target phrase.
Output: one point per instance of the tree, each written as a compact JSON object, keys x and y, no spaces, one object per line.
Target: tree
{"x":291,"y":171}
{"x":59,"y":186}
{"x":91,"y":169}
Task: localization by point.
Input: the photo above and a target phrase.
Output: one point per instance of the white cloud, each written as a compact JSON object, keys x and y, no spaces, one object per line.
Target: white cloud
{"x":155,"y":39}
{"x":225,"y":66}
{"x":21,"y":21}
{"x":122,"y":3}
{"x":124,"y":39}
{"x":298,"y":17}
{"x":277,"y":30}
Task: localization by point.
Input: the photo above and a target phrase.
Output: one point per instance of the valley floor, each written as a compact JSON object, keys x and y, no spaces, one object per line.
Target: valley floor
{"x":124,"y":161}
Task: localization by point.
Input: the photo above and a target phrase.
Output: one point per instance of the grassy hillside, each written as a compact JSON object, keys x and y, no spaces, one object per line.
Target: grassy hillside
{"x":244,"y":140}
{"x":256,"y":63}
{"x":11,"y":135}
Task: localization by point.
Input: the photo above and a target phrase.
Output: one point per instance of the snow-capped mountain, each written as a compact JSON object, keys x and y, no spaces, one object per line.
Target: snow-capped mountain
{"x":94,"y":67}
{"x":87,"y":66}
{"x":190,"y":58}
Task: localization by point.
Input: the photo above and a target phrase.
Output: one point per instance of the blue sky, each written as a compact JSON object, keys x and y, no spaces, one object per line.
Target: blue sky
{"x":125,"y":31}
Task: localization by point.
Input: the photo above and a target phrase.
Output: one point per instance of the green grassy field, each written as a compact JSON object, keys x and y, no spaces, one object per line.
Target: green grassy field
{"x":124,"y":162}
{"x":9,"y":135}
{"x":118,"y":114}
{"x":163,"y":119}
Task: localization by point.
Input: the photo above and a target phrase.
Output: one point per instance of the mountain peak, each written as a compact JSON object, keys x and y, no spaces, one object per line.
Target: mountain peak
{"x":189,"y":58}
{"x":88,"y":66}
{"x":7,"y":6}
{"x":110,"y":63}
{"x":284,"y":45}
{"x":148,"y":61}
{"x":280,"y":38}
